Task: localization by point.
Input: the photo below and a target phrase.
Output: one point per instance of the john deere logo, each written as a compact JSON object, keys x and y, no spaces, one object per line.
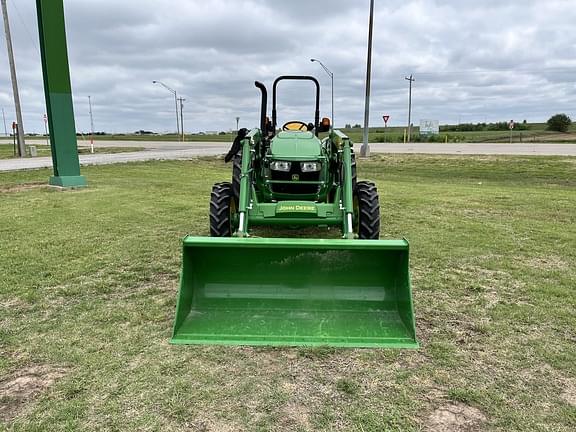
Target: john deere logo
{"x":296,"y":208}
{"x":295,"y":177}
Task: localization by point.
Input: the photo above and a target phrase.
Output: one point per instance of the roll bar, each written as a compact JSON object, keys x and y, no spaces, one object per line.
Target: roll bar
{"x":297,"y":78}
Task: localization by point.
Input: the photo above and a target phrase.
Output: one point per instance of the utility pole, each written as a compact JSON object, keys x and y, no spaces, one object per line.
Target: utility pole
{"x":45,"y":118}
{"x":365,"y":149}
{"x":91,"y":125}
{"x":182,"y":116}
{"x":237,"y":124}
{"x":21,"y":143}
{"x":4,"y":118}
{"x":411,"y":79}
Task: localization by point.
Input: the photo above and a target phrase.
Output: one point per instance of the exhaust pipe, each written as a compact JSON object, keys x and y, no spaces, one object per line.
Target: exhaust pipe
{"x":264,"y":105}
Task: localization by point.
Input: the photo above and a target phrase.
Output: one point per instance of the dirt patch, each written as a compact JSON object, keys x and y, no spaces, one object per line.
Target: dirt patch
{"x":569,"y":392}
{"x":455,"y":418}
{"x":213,"y":426}
{"x":295,"y":416}
{"x":548,"y":263}
{"x":23,"y":187}
{"x":24,"y":386}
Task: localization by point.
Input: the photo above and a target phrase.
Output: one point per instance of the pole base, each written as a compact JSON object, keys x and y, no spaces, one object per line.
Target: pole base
{"x":365,"y":151}
{"x":68,"y":181}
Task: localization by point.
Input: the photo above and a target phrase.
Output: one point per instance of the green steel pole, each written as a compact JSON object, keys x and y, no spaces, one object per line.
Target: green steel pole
{"x":245,"y":185}
{"x":58,"y":93}
{"x":348,"y":193}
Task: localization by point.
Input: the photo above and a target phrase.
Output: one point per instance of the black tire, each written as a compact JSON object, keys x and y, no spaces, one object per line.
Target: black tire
{"x":222,"y":209}
{"x":366,"y":211}
{"x":236,"y":175}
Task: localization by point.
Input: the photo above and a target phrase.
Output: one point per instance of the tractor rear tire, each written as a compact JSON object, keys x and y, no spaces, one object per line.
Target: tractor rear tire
{"x":367,"y":211}
{"x":222,"y":209}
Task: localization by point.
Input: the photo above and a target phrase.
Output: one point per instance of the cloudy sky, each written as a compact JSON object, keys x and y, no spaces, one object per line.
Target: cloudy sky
{"x":473,"y":61}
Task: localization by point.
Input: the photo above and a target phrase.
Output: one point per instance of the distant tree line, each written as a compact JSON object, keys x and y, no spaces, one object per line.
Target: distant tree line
{"x":480,"y":127}
{"x":95,"y":133}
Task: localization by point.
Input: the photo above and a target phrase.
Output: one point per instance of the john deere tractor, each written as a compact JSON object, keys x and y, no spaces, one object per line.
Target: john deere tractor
{"x":239,"y":289}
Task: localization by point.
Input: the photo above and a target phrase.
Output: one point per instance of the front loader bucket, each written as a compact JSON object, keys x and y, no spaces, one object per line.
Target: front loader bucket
{"x":291,"y":292}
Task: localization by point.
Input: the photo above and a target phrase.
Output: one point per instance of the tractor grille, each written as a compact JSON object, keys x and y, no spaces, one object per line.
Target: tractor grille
{"x":294,"y":186}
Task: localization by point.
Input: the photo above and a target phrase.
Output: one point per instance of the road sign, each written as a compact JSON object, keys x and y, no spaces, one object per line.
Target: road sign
{"x":511,"y":124}
{"x":14,"y":125}
{"x":429,"y":127}
{"x":386,"y":118}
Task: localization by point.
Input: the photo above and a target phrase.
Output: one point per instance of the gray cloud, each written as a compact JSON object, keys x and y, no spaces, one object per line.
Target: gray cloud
{"x":490,"y":60}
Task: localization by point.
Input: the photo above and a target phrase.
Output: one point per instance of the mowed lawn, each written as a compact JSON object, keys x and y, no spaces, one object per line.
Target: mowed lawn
{"x":88,"y":286}
{"x":7,"y":150}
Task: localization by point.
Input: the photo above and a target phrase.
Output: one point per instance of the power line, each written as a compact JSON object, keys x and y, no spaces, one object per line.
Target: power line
{"x":549,"y":70}
{"x":33,"y":40}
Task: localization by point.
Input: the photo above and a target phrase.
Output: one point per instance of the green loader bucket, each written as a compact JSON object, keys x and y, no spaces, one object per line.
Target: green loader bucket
{"x":295,"y":292}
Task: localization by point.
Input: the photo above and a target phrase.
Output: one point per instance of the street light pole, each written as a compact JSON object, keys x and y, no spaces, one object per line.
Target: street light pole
{"x":365,"y":149}
{"x":21,"y":143}
{"x":331,"y":75}
{"x":411,"y":79}
{"x":175,"y":101}
{"x":4,"y":118}
{"x":91,"y":125}
{"x":182,"y":116}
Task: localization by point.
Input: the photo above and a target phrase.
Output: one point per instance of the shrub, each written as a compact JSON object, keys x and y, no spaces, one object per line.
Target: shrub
{"x":559,"y":123}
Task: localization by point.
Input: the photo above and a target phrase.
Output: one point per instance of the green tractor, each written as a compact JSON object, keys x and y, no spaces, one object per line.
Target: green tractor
{"x":237,"y":289}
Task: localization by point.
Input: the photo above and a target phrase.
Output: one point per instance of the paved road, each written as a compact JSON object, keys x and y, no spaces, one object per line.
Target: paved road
{"x":181,"y":151}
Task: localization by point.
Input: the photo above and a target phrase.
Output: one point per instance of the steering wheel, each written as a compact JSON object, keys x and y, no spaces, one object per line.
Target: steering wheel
{"x":295,"y":126}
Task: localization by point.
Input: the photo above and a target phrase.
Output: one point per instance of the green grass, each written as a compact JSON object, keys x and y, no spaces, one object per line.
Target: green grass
{"x":7,"y":150}
{"x":228,"y":137}
{"x":88,"y":293}
{"x":536,"y":133}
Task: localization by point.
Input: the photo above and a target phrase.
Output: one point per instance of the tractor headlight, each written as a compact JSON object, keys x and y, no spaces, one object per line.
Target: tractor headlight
{"x":280,"y":166}
{"x":310,"y":166}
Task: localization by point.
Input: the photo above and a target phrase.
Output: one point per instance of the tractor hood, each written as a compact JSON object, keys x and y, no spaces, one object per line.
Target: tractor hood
{"x":295,"y":144}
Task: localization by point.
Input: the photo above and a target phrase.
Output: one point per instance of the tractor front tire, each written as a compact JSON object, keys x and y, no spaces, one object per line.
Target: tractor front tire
{"x":222,"y":210}
{"x":367,"y":211}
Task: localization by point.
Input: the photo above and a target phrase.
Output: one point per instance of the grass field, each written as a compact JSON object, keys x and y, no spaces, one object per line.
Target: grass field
{"x":7,"y":150}
{"x":88,"y":292}
{"x":536,"y":133}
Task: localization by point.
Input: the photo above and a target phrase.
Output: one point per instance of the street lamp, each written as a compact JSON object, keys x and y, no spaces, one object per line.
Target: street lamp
{"x":411,"y":79}
{"x":331,"y":75}
{"x":182,"y":100}
{"x":175,"y":101}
